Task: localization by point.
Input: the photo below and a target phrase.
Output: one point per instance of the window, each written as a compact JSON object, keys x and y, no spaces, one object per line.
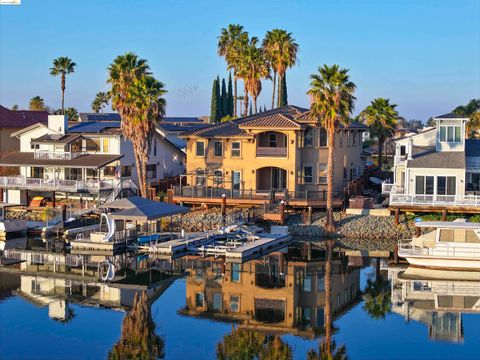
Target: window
{"x":307,"y":315}
{"x":34,"y":146}
{"x":91,"y":174}
{"x":151,"y":171}
{"x":307,"y":174}
{"x":109,"y":171}
{"x":450,"y":133}
{"x":200,"y":148}
{"x":92,"y":145}
{"x":236,"y":180}
{"x":234,"y":303}
{"x":424,"y":185}
{"x":236,"y":152}
{"x":36,"y":172}
{"x":217,"y":301}
{"x":126,"y":171}
{"x":320,"y":317}
{"x":403,"y":150}
{"x":106,"y":145}
{"x":446,"y":185}
{"x":323,"y":137}
{"x":200,"y":177}
{"x":322,"y":173}
{"x":199,"y":298}
{"x":218,"y":177}
{"x":236,"y":269}
{"x":217,"y":148}
{"x":308,"y":137}
{"x":320,"y":282}
{"x":307,"y":282}
{"x":272,"y":140}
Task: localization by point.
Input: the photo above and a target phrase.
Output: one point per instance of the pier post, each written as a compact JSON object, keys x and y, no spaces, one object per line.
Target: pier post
{"x":170,"y":196}
{"x":282,"y":212}
{"x":444,"y":215}
{"x":224,"y":208}
{"x":397,"y":217}
{"x":417,"y":231}
{"x":309,"y":215}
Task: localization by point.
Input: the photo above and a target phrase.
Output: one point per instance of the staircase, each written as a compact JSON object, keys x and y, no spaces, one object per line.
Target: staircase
{"x":124,"y":188}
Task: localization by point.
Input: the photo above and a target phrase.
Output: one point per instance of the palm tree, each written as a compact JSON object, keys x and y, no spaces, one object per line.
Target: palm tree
{"x":137,"y":96}
{"x":332,"y":100}
{"x":253,"y":67}
{"x":62,"y":66}
{"x":473,"y":123}
{"x":467,"y":110}
{"x":15,"y":107}
{"x":229,"y":42}
{"x":101,"y":100}
{"x":36,"y":104}
{"x":72,"y":114}
{"x":381,"y":118}
{"x":281,"y":52}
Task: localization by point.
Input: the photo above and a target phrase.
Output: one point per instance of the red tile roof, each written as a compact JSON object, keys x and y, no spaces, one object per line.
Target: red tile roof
{"x":21,"y":118}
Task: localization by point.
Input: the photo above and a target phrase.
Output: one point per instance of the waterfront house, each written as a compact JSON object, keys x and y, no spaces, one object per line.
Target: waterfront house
{"x":437,"y":168}
{"x":88,"y":160}
{"x":282,"y":150}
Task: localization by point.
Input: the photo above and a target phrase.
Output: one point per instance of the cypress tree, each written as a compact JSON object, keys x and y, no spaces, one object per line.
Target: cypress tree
{"x":283,"y":96}
{"x":230,"y":95}
{"x":224,"y":100}
{"x":219,"y":101}
{"x":214,"y":103}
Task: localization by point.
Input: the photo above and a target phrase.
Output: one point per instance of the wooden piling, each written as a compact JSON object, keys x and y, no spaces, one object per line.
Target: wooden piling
{"x":444,"y":215}
{"x":397,"y":217}
{"x":282,"y":212}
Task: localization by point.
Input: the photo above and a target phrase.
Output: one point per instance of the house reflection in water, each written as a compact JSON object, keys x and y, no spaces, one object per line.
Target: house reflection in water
{"x":284,"y":291}
{"x":435,"y":298}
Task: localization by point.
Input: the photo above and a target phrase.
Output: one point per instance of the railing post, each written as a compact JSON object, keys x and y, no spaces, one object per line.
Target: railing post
{"x":306,"y":194}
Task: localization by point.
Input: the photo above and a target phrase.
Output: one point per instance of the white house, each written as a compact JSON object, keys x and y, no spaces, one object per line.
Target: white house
{"x":437,"y":166}
{"x":86,"y":160}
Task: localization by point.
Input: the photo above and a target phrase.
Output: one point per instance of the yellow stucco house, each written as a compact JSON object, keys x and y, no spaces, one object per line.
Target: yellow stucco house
{"x":282,"y":150}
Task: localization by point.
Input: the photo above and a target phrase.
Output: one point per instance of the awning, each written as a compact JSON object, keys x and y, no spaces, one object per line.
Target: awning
{"x":91,"y":161}
{"x":128,"y":203}
{"x":149,"y":212}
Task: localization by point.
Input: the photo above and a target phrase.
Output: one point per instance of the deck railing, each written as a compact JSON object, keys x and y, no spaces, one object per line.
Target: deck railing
{"x":434,"y":200}
{"x":93,"y":186}
{"x":55,"y":155}
{"x":441,"y":249}
{"x":212,"y":192}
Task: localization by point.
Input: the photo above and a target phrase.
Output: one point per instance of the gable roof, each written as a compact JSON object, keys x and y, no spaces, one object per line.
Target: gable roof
{"x":450,"y":116}
{"x":275,"y":120}
{"x":32,"y":127}
{"x":21,"y":118}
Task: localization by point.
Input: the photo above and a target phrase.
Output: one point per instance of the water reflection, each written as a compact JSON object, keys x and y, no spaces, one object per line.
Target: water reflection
{"x":138,"y":339}
{"x":284,"y":291}
{"x":436,"y":298}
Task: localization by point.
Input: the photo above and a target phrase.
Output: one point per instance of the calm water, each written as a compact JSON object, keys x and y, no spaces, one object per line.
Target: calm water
{"x":46,"y":317}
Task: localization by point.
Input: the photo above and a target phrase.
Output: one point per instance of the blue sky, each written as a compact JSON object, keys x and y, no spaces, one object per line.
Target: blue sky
{"x":423,"y":55}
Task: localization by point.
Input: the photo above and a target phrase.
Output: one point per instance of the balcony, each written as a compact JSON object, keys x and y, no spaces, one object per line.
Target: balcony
{"x":398,"y":197}
{"x":399,"y":159}
{"x":271,"y":151}
{"x":54,"y":155}
{"x":90,"y":186}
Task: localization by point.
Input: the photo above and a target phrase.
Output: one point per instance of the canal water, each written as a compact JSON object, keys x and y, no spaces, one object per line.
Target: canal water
{"x":206,"y":308}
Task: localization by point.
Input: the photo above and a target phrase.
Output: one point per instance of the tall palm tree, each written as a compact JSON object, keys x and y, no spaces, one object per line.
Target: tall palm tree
{"x":467,"y":110}
{"x":473,"y":124}
{"x":101,"y":100}
{"x":36,"y":103}
{"x":381,"y":118}
{"x":281,"y":51}
{"x":72,"y":114}
{"x":253,"y":67}
{"x":138,"y":97}
{"x":62,"y":66}
{"x":331,"y":97}
{"x":229,"y":42}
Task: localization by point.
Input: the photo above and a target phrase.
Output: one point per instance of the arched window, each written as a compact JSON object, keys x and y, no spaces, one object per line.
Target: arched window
{"x":308,"y":137}
{"x":323,"y":137}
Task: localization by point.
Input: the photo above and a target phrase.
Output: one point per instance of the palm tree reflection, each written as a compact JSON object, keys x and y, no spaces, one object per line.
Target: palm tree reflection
{"x":138,"y":339}
{"x":377,"y":295}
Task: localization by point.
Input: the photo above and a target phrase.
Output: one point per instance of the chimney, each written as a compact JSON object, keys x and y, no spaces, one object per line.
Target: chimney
{"x":58,"y":123}
{"x":410,"y":149}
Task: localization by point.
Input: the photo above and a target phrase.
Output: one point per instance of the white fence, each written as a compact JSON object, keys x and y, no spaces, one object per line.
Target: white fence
{"x":432,"y":200}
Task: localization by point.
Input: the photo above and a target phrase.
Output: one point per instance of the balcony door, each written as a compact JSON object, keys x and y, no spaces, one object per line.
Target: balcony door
{"x":271,"y":178}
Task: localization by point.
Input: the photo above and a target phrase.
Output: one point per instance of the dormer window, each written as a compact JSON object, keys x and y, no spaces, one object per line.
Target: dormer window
{"x":451,"y":133}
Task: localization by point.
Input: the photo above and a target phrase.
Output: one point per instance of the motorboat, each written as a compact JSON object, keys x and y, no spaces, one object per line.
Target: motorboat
{"x":450,"y":245}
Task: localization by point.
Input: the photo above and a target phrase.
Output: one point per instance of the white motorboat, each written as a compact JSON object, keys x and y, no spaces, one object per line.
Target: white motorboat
{"x":451,"y":245}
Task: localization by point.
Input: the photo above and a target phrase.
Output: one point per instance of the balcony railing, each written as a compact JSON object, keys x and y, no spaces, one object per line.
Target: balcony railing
{"x":272,"y":151}
{"x":54,"y":155}
{"x":397,"y":198}
{"x":399,"y":159}
{"x":92,"y":186}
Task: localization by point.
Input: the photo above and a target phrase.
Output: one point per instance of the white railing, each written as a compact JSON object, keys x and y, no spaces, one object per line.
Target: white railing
{"x":387,"y":187}
{"x":54,"y":155}
{"x":397,"y":198}
{"x":19,"y":182}
{"x":441,"y":249}
{"x":399,"y":159}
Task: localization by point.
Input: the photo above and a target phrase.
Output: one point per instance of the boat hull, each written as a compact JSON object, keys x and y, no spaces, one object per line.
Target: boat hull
{"x":444,"y":262}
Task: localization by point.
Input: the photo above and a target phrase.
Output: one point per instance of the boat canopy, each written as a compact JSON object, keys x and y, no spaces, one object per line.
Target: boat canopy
{"x":128,"y":203}
{"x":448,"y":225}
{"x":148,"y":212}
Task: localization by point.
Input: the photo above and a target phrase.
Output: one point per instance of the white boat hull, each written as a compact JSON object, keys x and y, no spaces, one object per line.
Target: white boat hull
{"x":444,"y":262}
